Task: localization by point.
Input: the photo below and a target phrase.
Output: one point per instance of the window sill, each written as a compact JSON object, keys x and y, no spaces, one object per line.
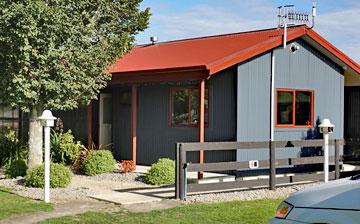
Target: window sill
{"x":300,"y":128}
{"x":187,"y":126}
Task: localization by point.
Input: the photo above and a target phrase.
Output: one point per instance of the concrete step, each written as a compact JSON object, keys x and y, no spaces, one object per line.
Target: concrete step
{"x":125,"y":198}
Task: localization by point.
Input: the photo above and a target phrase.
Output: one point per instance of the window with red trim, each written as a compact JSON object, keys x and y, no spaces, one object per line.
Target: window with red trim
{"x":294,"y":108}
{"x":185,"y":107}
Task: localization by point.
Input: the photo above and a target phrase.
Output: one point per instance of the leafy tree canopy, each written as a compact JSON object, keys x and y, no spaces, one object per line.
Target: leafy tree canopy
{"x":54,"y":53}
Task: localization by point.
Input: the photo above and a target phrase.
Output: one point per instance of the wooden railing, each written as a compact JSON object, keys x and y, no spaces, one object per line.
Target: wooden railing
{"x":182,"y":166}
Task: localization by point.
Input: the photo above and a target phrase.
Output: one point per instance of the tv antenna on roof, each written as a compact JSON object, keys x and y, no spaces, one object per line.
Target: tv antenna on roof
{"x":288,"y":16}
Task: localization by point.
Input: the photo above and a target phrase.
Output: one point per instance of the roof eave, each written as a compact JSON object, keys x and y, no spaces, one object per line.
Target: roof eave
{"x":191,"y":73}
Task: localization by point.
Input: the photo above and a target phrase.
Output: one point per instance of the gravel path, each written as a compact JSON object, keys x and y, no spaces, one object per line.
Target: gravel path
{"x":280,"y":192}
{"x":81,"y":186}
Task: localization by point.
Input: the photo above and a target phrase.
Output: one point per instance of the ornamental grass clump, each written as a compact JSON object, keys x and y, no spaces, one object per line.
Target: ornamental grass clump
{"x":17,"y":168}
{"x":64,"y":148}
{"x":60,"y":176}
{"x":161,"y":173}
{"x":98,"y":162}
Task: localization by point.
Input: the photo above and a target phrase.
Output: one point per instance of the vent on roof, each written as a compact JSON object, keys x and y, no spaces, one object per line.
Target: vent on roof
{"x":153,"y":39}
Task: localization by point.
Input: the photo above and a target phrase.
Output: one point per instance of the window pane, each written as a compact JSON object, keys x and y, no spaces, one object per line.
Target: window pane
{"x":195,"y":106}
{"x":194,"y":112}
{"x":15,"y":113}
{"x":8,"y":112}
{"x":303,"y":108}
{"x":180,"y":107}
{"x":284,"y":107}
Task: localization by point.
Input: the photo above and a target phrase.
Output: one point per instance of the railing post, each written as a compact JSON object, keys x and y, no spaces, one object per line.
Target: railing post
{"x":272,"y":178}
{"x":182,"y":161}
{"x":177,"y":171}
{"x":185,"y":182}
{"x":337,"y":158}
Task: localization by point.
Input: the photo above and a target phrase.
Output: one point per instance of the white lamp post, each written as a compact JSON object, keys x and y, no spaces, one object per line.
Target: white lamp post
{"x":47,"y":120}
{"x":326,"y":127}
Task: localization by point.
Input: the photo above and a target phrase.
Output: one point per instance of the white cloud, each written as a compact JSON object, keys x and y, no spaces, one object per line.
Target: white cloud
{"x":208,"y":19}
{"x":342,"y":28}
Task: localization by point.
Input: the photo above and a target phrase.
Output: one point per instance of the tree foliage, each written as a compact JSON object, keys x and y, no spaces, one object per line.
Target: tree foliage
{"x":54,"y":53}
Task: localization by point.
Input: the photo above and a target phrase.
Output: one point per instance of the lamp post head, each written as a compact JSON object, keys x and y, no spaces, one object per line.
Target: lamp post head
{"x":47,"y":119}
{"x":326,"y":126}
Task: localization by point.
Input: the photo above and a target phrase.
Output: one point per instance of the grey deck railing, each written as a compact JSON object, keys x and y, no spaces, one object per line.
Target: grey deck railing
{"x":182,"y":187}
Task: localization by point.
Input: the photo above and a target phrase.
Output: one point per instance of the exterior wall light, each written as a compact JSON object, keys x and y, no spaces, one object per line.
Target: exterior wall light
{"x":294,"y":48}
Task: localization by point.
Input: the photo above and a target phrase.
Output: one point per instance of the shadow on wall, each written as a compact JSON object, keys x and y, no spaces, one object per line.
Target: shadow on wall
{"x":312,"y":133}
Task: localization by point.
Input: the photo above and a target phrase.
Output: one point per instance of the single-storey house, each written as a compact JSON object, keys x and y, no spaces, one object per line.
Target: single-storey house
{"x":233,"y":87}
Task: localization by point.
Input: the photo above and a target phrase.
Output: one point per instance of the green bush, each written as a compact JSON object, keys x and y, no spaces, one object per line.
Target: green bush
{"x":161,"y":173}
{"x":60,"y":176}
{"x":64,"y":149}
{"x":10,"y":146}
{"x":99,"y":161}
{"x":16,"y":168}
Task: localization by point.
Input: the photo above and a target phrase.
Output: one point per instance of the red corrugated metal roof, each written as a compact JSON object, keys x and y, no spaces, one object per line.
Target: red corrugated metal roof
{"x":214,"y":53}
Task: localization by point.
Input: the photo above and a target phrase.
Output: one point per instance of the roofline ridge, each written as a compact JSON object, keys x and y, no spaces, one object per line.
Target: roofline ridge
{"x":215,"y":36}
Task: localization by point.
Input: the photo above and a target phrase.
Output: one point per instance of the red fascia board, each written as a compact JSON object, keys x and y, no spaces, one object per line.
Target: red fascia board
{"x":161,"y":75}
{"x":164,"y":70}
{"x":332,"y":49}
{"x":253,"y":51}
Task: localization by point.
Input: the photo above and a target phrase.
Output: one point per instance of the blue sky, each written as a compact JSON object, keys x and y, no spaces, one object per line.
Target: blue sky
{"x":338,"y":21}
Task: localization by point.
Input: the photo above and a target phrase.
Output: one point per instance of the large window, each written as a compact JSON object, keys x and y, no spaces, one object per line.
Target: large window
{"x":294,"y":108}
{"x":185,"y":107}
{"x":9,"y":117}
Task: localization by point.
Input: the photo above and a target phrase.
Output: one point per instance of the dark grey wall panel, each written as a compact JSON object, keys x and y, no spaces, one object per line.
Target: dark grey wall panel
{"x":74,"y":120}
{"x":157,"y":139}
{"x":122,"y":123}
{"x":352,"y":121}
{"x":305,"y":70}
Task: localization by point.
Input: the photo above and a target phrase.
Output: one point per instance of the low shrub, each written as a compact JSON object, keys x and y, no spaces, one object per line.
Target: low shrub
{"x":64,"y":148}
{"x":60,"y":176}
{"x":98,"y":162}
{"x":161,"y":173}
{"x":16,"y":168}
{"x":127,"y":166}
{"x":11,"y":148}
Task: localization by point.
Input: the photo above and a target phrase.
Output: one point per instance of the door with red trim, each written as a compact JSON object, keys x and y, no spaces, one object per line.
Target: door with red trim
{"x":105,"y":120}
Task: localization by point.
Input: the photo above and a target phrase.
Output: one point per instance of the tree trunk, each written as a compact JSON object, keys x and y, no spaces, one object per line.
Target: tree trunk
{"x":35,"y":139}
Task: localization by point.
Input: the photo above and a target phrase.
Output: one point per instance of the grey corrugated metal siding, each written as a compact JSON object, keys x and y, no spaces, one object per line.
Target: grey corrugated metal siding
{"x":157,"y":139}
{"x":307,"y":69}
{"x":121,"y":125}
{"x":253,"y":104}
{"x":74,"y":120}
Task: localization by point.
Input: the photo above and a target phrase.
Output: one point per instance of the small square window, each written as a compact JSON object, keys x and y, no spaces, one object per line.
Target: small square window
{"x":294,"y":108}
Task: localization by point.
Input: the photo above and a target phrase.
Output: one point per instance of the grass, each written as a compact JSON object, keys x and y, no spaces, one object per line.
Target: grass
{"x":12,"y":204}
{"x":249,"y":212}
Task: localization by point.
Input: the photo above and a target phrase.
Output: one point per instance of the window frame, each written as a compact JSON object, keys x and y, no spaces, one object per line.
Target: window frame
{"x":170,"y":117}
{"x":293,"y":125}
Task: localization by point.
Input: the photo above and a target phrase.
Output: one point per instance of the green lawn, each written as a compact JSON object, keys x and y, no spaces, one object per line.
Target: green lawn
{"x":12,"y":204}
{"x":256,"y":212}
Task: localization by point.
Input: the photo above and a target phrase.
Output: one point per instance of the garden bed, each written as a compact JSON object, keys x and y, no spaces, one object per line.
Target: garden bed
{"x":81,"y":186}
